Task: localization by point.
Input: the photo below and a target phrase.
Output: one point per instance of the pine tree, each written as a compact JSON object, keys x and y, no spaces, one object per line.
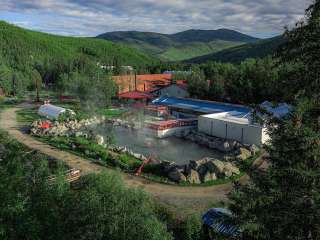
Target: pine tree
{"x":283,"y":202}
{"x":303,"y":47}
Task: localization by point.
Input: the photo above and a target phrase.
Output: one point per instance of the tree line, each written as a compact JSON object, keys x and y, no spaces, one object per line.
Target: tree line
{"x":250,"y":82}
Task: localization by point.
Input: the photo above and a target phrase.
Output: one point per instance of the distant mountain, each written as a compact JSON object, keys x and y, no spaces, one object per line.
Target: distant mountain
{"x":182,"y":45}
{"x":259,"y":49}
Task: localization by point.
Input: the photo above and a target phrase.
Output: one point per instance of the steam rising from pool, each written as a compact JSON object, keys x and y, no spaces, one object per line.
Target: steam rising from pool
{"x":171,"y":149}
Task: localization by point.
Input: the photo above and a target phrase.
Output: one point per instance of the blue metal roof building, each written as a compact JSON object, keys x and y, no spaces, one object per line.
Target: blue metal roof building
{"x":199,"y":106}
{"x":220,"y":221}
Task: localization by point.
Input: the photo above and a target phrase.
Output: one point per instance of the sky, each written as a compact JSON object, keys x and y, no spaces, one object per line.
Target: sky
{"x":259,"y":18}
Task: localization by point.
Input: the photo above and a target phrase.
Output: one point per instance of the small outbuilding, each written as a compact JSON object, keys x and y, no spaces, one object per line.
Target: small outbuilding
{"x":219,"y":222}
{"x":50,"y":111}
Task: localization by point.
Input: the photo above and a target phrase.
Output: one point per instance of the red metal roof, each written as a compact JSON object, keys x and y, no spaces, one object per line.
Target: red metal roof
{"x":135,"y":95}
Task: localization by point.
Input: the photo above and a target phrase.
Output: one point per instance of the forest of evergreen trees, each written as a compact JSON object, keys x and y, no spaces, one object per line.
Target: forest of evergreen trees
{"x":28,"y":55}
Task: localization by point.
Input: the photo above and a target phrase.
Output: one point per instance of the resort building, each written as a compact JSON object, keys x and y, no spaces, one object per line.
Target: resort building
{"x":223,"y":120}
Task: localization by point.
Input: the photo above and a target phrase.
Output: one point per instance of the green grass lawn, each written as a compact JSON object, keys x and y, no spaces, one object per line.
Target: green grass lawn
{"x":27,"y":116}
{"x":6,"y":102}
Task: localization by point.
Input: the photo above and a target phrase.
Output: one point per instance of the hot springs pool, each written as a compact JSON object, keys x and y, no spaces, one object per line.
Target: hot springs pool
{"x":168,"y":149}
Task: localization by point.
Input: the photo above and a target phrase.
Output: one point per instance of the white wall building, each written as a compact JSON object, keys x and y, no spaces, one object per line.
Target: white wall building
{"x":233,"y":125}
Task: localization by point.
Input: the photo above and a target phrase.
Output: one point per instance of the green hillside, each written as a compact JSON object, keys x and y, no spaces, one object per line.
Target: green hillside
{"x":180,"y":46}
{"x":259,"y":49}
{"x":196,"y":49}
{"x":19,"y":47}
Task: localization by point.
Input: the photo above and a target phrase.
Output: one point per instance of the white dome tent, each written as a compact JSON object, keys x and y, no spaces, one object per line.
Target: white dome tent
{"x":50,"y":111}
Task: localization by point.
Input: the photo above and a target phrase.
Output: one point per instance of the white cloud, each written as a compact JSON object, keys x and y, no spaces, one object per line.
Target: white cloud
{"x":74,"y":17}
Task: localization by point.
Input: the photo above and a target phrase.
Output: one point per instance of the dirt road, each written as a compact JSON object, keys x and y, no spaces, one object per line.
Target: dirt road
{"x":179,"y":198}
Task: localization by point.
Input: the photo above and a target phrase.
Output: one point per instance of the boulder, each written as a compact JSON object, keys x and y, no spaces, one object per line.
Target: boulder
{"x":243,"y":154}
{"x":187,"y":169}
{"x":202,"y":170}
{"x":137,"y":155}
{"x":216,"y":166}
{"x":193,"y":177}
{"x":254,"y":149}
{"x":34,"y":124}
{"x":230,"y":170}
{"x":167,"y":167}
{"x":99,"y":140}
{"x":176,"y":176}
{"x":34,"y":131}
{"x":225,"y":147}
{"x":196,"y":164}
{"x":209,"y":177}
{"x":229,"y":158}
{"x":78,"y":134}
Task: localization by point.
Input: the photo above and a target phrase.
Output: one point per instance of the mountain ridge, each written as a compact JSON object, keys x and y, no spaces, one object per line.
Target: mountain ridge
{"x":259,"y":49}
{"x":181,"y":45}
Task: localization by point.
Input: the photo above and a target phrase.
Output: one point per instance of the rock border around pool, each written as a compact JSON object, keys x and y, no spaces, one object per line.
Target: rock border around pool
{"x":196,"y":172}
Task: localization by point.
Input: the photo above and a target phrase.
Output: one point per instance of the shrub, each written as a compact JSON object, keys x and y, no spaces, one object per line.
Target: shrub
{"x":32,"y":207}
{"x":192,"y":228}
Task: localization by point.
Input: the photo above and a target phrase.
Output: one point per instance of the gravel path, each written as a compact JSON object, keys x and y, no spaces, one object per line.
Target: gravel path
{"x":186,"y":199}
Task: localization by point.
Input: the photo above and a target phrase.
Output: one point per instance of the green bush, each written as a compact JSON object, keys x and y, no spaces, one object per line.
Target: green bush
{"x":153,"y":168}
{"x":192,"y":228}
